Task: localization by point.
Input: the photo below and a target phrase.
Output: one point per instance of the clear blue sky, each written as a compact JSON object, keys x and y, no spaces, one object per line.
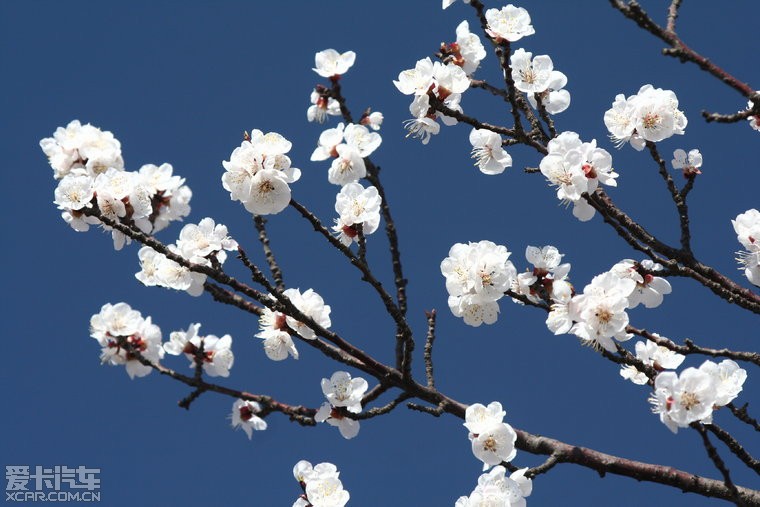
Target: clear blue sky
{"x":179,"y":82}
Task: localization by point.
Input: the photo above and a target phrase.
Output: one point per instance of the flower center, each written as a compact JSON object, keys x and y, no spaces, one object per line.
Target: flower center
{"x":689,"y":400}
{"x":651,"y":120}
{"x":490,"y":444}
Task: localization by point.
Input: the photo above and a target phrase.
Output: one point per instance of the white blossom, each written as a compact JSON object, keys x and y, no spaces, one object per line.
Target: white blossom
{"x":348,"y":428}
{"x":747,"y":227}
{"x":689,"y":164}
{"x":244,"y":416}
{"x":321,"y":484}
{"x":74,"y":192}
{"x":575,"y":167}
{"x":446,"y":3}
{"x":728,"y":379}
{"x":650,"y":115}
{"x":682,"y":400}
{"x":277,"y":342}
{"x":361,"y":139}
{"x":310,"y":304}
{"x":78,"y":146}
{"x":217,"y":357}
{"x":356,"y":205}
{"x":372,"y":119}
{"x":600,"y":311}
{"x":477,"y":275}
{"x":124,"y":336}
{"x":478,"y":417}
{"x":754,"y":120}
{"x":494,"y":444}
{"x":198,"y":243}
{"x":416,"y":81}
{"x":489,"y":156}
{"x":510,"y":23}
{"x":471,"y":49}
{"x":321,"y":107}
{"x":329,"y":63}
{"x":649,"y":289}
{"x":157,"y":269}
{"x":328,"y":141}
{"x":258,"y":173}
{"x":531,"y":75}
{"x":343,"y":391}
{"x":651,"y":354}
{"x":496,"y":489}
{"x":473,"y":309}
{"x":555,"y":98}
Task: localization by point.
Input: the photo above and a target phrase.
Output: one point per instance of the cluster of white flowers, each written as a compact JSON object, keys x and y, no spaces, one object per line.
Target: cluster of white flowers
{"x":204,"y":244}
{"x":747,"y":227}
{"x":123,"y":334}
{"x":277,"y":328}
{"x":536,"y":76}
{"x":342,"y":391}
{"x":89,"y":165}
{"x":547,"y":281}
{"x":259,"y":171}
{"x":215,"y":352}
{"x":496,"y":489}
{"x":689,"y":164}
{"x":427,"y":79}
{"x":492,"y":440}
{"x":244,"y":416}
{"x":321,"y":485}
{"x":477,"y":276}
{"x":599,"y":314}
{"x":575,"y":168}
{"x":696,"y":392}
{"x":347,"y":145}
{"x":658,"y":357}
{"x":356,"y":206}
{"x":650,"y":115}
{"x":489,"y":156}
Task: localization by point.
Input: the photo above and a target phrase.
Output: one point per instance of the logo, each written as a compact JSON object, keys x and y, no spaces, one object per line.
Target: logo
{"x":56,"y":484}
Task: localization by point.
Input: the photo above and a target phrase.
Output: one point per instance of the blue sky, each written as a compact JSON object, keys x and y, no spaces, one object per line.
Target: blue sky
{"x":179,"y":83}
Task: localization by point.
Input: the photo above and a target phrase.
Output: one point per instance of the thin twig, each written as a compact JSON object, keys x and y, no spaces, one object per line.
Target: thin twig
{"x":728,"y":118}
{"x":367,"y":275}
{"x":544,"y":467}
{"x":734,"y":446}
{"x":373,"y":176}
{"x":298,"y":413}
{"x":678,"y":200}
{"x":274,"y":267}
{"x":673,"y":15}
{"x":376,"y":411}
{"x":428,"y":354}
{"x":434,"y":411}
{"x":718,"y":462}
{"x":545,"y":115}
{"x":632,"y":10}
{"x":743,"y":416}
